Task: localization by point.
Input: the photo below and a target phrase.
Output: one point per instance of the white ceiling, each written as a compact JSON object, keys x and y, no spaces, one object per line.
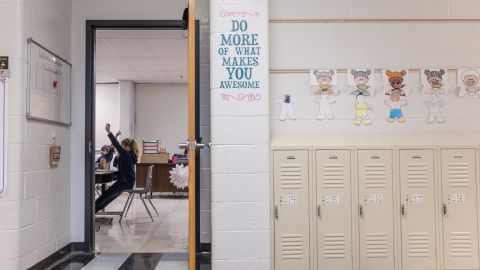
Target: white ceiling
{"x":143,"y":56}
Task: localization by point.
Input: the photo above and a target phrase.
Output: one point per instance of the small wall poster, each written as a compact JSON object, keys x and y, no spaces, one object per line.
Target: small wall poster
{"x":396,"y":80}
{"x":468,"y":83}
{"x":361,"y":81}
{"x":324,"y":86}
{"x":434,"y":81}
{"x":286,"y":107}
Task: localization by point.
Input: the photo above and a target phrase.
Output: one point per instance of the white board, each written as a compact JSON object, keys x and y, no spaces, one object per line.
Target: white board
{"x":3,"y":134}
{"x":49,"y":91}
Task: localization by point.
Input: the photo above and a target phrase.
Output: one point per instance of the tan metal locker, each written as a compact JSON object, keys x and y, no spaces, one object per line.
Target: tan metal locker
{"x":334,"y":210}
{"x":460,"y":233}
{"x":291,"y":196}
{"x":376,"y":221}
{"x":417,"y":197}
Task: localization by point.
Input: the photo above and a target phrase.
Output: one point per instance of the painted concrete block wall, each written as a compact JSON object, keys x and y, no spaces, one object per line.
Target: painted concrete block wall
{"x":203,"y":11}
{"x":376,"y":45}
{"x":240,"y":147}
{"x":36,"y":207}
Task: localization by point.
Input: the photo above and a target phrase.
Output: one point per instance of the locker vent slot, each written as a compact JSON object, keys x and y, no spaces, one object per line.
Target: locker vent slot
{"x":417,"y":175}
{"x":333,"y":176}
{"x":375,"y":175}
{"x":461,"y":244}
{"x":292,"y":246}
{"x":334,"y":245}
{"x":419,"y":244}
{"x":458,"y":175}
{"x":376,"y":245}
{"x":291,"y":176}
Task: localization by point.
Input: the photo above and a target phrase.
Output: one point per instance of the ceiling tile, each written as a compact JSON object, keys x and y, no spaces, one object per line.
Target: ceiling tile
{"x":174,"y":64}
{"x":168,"y":47}
{"x":130,"y":34}
{"x":145,"y":64}
{"x":130,"y":47}
{"x":161,"y":34}
{"x":112,"y":64}
{"x":156,"y":76}
{"x":178,"y":76}
{"x":104,"y":50}
{"x":109,"y":76}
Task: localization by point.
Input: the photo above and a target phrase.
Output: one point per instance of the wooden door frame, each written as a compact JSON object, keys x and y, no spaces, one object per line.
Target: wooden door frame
{"x":91,"y":27}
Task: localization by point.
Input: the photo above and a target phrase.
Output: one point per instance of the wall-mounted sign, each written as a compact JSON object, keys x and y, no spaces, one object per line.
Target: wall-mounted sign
{"x":4,"y":66}
{"x":238,"y":48}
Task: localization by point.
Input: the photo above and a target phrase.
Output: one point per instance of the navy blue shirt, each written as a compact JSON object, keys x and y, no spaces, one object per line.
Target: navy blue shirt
{"x":126,"y":162}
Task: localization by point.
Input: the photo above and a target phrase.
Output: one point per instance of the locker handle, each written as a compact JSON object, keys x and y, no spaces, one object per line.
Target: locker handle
{"x":319,"y":213}
{"x":275,"y":211}
{"x":375,"y":157}
{"x":444,"y":209}
{"x":360,"y":211}
{"x":402,"y":210}
{"x":417,"y":157}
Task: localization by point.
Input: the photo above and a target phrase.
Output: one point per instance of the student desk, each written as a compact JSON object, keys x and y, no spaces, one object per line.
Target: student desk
{"x":161,"y":177}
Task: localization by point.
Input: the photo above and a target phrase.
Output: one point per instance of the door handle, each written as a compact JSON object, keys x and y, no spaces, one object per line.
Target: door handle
{"x":444,"y":209}
{"x":275,"y":212}
{"x":184,"y":145}
{"x":360,"y":210}
{"x":403,"y":212}
{"x":319,"y":212}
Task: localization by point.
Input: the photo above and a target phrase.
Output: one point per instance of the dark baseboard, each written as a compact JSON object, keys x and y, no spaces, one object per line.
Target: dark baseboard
{"x":205,"y":255}
{"x":43,"y":264}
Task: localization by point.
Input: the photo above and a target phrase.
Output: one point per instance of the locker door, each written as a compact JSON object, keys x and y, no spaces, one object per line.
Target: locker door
{"x":376,"y":209}
{"x":334,"y":213}
{"x":291,"y":210}
{"x":459,"y":209}
{"x":417,"y":195}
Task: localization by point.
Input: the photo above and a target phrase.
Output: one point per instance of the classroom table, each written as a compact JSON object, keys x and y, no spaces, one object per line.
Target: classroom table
{"x":103,"y":177}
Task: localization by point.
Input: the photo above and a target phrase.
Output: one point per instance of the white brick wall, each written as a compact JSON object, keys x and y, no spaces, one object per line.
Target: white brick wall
{"x":377,"y":45}
{"x":36,"y":207}
{"x":240,"y":158}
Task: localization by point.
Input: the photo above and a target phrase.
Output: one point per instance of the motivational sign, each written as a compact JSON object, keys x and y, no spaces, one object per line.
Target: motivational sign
{"x":239,"y":52}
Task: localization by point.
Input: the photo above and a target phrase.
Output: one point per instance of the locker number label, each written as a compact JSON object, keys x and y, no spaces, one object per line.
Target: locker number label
{"x":376,"y":198}
{"x":416,"y":199}
{"x":289,"y":199}
{"x":457,"y":198}
{"x":331,"y":199}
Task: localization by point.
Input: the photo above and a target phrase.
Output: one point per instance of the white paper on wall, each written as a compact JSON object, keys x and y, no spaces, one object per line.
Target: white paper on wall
{"x":361,"y":81}
{"x":361,"y":111}
{"x":468,"y":81}
{"x":3,"y":132}
{"x":396,"y":79}
{"x":324,"y":80}
{"x":434,"y":104}
{"x":434,"y":80}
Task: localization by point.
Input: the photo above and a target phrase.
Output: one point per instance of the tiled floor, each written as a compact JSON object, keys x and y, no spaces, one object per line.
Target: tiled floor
{"x":125,"y":261}
{"x":137,"y":234}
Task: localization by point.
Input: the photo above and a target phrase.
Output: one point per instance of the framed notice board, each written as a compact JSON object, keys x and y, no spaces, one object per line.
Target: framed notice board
{"x":49,"y":86}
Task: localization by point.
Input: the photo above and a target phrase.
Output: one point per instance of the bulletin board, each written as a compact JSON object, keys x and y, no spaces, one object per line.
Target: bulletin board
{"x":49,"y":86}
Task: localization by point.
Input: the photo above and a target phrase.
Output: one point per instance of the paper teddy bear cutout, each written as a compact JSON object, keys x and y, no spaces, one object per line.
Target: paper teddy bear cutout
{"x":433,"y":103}
{"x":324,"y":100}
{"x":435,"y":80}
{"x":469,"y":84}
{"x":396,"y":80}
{"x":361,"y":111}
{"x":361,"y":79}
{"x":286,"y":111}
{"x":396,"y":104}
{"x":324,"y":79}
